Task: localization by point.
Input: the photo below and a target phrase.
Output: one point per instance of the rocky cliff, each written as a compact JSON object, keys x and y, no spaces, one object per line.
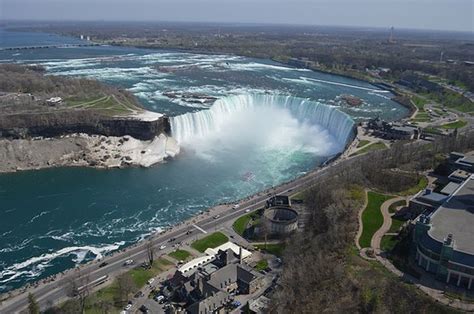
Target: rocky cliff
{"x":52,"y":124}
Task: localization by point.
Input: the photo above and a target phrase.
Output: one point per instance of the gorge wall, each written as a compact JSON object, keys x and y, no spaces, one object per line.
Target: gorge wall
{"x":52,"y":124}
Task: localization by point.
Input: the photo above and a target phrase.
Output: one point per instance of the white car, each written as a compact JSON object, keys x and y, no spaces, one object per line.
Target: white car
{"x":217,"y":216}
{"x":128,"y":307}
{"x":128,"y":262}
{"x":236,"y":206}
{"x":151,"y":281}
{"x":247,"y":210}
{"x":162,"y":247}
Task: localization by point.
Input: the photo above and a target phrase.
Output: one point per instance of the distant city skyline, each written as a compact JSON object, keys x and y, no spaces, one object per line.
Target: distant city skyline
{"x":452,"y":15}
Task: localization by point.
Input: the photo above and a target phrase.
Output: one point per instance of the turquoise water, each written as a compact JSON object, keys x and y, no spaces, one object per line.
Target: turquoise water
{"x":53,"y":219}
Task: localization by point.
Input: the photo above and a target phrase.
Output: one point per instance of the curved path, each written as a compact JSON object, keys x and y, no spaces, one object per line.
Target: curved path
{"x":387,"y":223}
{"x":359,"y":231}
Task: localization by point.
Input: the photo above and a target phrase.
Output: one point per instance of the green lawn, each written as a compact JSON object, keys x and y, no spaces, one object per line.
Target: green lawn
{"x":396,"y":225}
{"x":372,"y":218}
{"x":454,"y":125}
{"x":274,"y":248}
{"x":419,"y":102}
{"x":369,"y":148}
{"x":388,"y":242}
{"x":180,"y":255}
{"x":363,"y":143}
{"x":242,"y":222}
{"x":261,"y":265}
{"x":141,"y":276}
{"x":107,"y":295}
{"x":392,"y":208}
{"x":422,"y":183}
{"x":211,"y":241}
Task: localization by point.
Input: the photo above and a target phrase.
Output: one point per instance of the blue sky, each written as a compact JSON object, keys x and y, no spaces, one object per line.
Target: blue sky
{"x":419,"y":14}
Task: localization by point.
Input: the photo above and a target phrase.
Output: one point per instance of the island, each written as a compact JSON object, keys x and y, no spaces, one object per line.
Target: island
{"x":49,"y":121}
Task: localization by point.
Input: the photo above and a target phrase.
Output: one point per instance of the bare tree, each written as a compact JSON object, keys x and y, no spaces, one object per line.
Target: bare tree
{"x":150,"y":252}
{"x":125,"y":286}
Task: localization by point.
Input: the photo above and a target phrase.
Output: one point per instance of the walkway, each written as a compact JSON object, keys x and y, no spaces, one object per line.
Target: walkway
{"x":387,"y":223}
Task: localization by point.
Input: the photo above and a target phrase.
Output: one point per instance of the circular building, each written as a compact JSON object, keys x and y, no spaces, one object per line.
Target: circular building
{"x":280,"y":220}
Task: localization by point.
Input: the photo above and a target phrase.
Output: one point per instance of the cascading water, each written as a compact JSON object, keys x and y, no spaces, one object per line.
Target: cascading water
{"x":201,"y":123}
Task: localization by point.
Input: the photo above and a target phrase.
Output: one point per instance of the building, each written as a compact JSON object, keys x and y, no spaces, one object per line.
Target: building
{"x":426,"y":201}
{"x":391,"y":130}
{"x":279,"y":200}
{"x":444,"y":238}
{"x":279,"y":220}
{"x":210,"y":286}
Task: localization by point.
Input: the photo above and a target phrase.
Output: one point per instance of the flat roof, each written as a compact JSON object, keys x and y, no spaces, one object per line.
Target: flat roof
{"x":450,"y":188}
{"x":456,"y":217}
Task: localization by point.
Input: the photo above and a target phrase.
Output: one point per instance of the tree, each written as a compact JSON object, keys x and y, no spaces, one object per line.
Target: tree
{"x":33,"y":306}
{"x":125,"y":286}
{"x":150,"y":252}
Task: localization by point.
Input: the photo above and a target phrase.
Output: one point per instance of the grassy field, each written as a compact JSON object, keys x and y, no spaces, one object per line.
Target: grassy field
{"x":108,"y":295}
{"x":392,"y":208}
{"x":369,"y":148}
{"x":454,"y":125}
{"x":396,"y":225}
{"x":211,"y":241}
{"x":274,"y":248}
{"x":261,"y":265}
{"x":241,"y":223}
{"x":422,"y":183}
{"x":180,"y":255}
{"x":141,"y":276}
{"x":110,"y":105}
{"x":419,"y":102}
{"x":388,"y":242}
{"x":372,"y":218}
{"x":362,"y":143}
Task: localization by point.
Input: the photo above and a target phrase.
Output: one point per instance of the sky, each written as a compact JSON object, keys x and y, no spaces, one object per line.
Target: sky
{"x":457,"y":15}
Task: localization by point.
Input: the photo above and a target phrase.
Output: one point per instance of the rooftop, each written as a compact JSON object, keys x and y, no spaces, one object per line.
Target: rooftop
{"x":456,"y":217}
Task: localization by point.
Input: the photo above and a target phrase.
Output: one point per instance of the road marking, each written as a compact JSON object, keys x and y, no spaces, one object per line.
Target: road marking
{"x":199,"y":228}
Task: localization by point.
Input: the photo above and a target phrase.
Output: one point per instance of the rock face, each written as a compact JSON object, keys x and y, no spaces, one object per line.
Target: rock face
{"x":23,"y":125}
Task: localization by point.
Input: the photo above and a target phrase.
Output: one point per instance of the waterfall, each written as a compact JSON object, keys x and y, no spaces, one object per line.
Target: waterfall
{"x":200,"y":123}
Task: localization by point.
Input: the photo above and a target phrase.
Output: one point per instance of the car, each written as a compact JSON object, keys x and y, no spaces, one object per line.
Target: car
{"x":128,"y":307}
{"x":189,"y":232}
{"x":236,"y":206}
{"x":247,"y":210}
{"x":159,"y":298}
{"x":162,"y":247}
{"x":103,"y":264}
{"x":143,"y":309}
{"x":128,"y":262}
{"x":150,"y":281}
{"x":217,"y":216}
{"x":139,"y":294}
{"x":171,"y":239}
